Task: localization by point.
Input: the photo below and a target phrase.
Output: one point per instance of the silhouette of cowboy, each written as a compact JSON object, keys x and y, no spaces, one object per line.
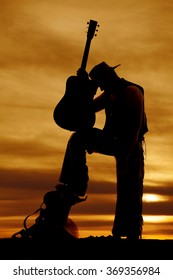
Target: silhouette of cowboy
{"x":122,"y":137}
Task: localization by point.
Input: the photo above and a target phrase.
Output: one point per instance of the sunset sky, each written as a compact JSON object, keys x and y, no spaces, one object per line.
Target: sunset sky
{"x":42,"y":43}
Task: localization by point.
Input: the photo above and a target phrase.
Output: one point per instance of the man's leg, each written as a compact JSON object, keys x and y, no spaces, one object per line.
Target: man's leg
{"x":74,"y":169}
{"x":128,"y":215}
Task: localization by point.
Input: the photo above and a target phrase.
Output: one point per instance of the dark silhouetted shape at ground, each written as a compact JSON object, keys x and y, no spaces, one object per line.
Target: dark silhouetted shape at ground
{"x":90,"y":248}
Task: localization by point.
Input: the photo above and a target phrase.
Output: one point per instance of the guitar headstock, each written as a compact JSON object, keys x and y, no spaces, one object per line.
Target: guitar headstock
{"x":92,"y":29}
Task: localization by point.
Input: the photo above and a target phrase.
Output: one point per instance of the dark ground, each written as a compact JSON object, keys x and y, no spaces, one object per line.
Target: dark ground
{"x":90,"y":248}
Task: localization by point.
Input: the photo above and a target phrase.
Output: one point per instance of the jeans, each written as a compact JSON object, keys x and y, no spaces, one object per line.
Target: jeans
{"x":128,"y":212}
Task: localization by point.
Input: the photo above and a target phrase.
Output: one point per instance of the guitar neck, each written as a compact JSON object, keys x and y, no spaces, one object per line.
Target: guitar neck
{"x":90,"y":34}
{"x":85,"y":54}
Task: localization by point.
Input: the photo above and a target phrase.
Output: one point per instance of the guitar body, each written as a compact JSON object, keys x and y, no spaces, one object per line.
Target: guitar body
{"x":75,"y":110}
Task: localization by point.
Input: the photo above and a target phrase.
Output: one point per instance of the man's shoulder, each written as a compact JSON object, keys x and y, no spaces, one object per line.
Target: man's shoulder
{"x":133,"y":89}
{"x":134,"y":86}
{"x":133,"y":95}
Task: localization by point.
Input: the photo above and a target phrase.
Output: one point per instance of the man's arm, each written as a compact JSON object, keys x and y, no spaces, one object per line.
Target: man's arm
{"x":131,"y":125}
{"x":99,"y":102}
{"x":134,"y":101}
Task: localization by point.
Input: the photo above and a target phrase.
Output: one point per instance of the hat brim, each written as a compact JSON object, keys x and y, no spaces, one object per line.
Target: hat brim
{"x":116,"y":66}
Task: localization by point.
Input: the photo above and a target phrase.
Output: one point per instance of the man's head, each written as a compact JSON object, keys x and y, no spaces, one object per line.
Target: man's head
{"x":102,"y":72}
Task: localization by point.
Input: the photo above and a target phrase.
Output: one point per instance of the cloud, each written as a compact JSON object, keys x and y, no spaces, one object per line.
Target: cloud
{"x":33,"y":34}
{"x":18,"y":184}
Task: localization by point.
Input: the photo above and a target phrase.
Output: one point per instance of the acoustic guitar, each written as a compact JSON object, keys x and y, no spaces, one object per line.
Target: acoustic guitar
{"x":75,"y":110}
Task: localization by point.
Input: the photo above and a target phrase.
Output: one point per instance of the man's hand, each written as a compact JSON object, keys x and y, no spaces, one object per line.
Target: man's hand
{"x":82,"y":74}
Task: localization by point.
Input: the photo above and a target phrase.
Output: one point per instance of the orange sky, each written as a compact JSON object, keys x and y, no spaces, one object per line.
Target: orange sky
{"x":42,"y":44}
